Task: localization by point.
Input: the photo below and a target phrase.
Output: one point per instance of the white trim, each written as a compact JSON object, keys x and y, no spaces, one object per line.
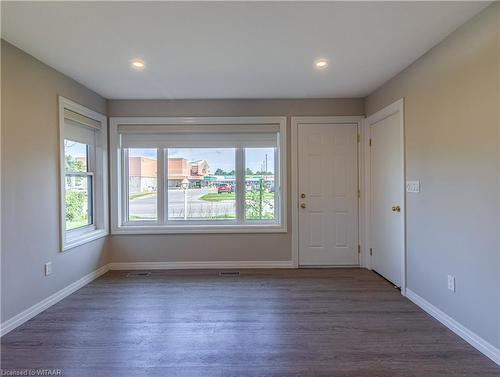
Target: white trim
{"x":200,"y":229}
{"x":469,"y":336}
{"x":394,"y":108}
{"x":117,"y":227}
{"x":357,"y":120}
{"x":312,"y":265}
{"x":100,"y":211}
{"x":199,"y":265}
{"x":32,"y":311}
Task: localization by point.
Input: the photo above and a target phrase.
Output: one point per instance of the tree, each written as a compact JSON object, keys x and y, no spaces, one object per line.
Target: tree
{"x":75,"y":206}
{"x":72,"y":164}
{"x":255,"y":202}
{"x":249,"y":171}
{"x":219,"y":171}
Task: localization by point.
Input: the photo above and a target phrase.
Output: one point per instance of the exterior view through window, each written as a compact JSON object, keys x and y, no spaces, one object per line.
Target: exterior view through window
{"x":259,"y":184}
{"x":78,"y":185}
{"x":201,"y":184}
{"x":142,"y":184}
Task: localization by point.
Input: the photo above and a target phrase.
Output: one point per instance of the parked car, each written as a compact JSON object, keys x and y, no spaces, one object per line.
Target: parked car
{"x":224,"y":189}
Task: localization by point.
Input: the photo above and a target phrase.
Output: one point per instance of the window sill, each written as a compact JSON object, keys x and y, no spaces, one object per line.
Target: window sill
{"x":199,"y":229}
{"x":72,"y":242}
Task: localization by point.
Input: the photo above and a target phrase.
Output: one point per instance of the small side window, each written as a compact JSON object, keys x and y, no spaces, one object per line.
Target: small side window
{"x":83,"y":174}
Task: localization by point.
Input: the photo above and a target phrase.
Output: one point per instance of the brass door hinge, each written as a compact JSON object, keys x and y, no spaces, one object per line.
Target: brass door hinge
{"x":371,"y":251}
{"x":370,"y":142}
{"x":359,"y":249}
{"x":359,"y":194}
{"x":359,"y":138}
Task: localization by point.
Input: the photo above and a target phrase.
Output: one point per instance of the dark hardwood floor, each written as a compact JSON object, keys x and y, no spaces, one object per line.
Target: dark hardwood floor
{"x":333,"y":322}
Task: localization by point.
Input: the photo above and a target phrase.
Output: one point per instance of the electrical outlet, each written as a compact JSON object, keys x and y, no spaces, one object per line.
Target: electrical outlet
{"x":451,"y":283}
{"x":48,"y":268}
{"x":412,"y":186}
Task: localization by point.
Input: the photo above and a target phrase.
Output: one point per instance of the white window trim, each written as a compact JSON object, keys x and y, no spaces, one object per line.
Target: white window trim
{"x":195,"y":227}
{"x":100,"y":226}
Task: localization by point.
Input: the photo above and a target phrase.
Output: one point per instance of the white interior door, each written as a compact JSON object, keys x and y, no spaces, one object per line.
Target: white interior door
{"x":328,"y":200}
{"x":387,"y":197}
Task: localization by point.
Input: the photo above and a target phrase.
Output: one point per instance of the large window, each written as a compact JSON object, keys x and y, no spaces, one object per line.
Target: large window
{"x":83,"y":174}
{"x":174,"y":174}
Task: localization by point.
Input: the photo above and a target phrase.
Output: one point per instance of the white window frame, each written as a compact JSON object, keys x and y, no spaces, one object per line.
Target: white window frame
{"x":120,"y":226}
{"x":99,"y":172}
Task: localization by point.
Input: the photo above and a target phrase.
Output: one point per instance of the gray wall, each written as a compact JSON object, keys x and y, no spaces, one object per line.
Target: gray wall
{"x":218,"y":247}
{"x":452,"y":120}
{"x":30,"y":190}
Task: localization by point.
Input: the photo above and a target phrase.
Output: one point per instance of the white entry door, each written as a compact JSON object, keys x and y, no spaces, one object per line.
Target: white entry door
{"x":387,"y":197}
{"x":328,"y":199}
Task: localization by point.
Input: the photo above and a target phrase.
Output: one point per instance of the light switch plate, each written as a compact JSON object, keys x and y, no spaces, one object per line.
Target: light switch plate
{"x":412,"y":186}
{"x":48,"y":268}
{"x":451,"y":283}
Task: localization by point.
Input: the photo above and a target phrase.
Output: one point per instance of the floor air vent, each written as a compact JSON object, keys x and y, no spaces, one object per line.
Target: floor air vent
{"x":229,"y":273}
{"x":140,"y":273}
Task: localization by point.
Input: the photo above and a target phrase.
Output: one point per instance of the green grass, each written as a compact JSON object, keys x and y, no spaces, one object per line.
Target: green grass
{"x":213,"y":197}
{"x":76,"y":224}
{"x":141,"y":195}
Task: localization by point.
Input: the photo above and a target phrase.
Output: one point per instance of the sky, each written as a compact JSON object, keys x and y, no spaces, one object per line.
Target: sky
{"x":75,"y":149}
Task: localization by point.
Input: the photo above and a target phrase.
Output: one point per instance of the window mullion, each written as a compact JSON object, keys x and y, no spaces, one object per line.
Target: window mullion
{"x":160,"y":186}
{"x":277,"y":185}
{"x":165,"y":187}
{"x":125,"y":191}
{"x":240,"y":185}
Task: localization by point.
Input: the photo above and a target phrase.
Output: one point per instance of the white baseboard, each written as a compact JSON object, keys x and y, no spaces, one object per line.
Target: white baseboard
{"x":32,"y":311}
{"x":199,"y":265}
{"x":469,"y":336}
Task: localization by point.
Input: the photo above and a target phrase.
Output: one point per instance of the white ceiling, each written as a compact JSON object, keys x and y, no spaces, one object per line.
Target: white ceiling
{"x":231,"y":50}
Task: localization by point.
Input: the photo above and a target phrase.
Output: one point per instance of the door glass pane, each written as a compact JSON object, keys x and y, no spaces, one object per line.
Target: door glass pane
{"x":142,"y":184}
{"x":75,"y":156}
{"x":259,"y":183}
{"x":78,"y":196}
{"x":201,"y":184}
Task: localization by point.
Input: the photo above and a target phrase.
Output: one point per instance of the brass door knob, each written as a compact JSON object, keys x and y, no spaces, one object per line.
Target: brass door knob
{"x":396,"y":209}
{"x":303,"y":205}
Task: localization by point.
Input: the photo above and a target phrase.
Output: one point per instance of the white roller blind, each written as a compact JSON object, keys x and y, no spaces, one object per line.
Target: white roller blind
{"x":76,"y":132}
{"x":136,"y":136}
{"x":81,"y":120}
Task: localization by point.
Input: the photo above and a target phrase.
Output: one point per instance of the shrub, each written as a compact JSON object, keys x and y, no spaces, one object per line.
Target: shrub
{"x":76,"y":206}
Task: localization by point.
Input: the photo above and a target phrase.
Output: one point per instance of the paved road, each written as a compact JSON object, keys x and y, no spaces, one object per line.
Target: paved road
{"x":145,"y":208}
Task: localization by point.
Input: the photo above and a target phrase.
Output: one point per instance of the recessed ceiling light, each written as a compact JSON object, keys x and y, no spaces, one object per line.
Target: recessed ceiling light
{"x":321,"y":63}
{"x":137,"y":64}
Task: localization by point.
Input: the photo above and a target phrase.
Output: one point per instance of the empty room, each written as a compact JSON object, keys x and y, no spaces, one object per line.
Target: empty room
{"x":250,"y":188}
